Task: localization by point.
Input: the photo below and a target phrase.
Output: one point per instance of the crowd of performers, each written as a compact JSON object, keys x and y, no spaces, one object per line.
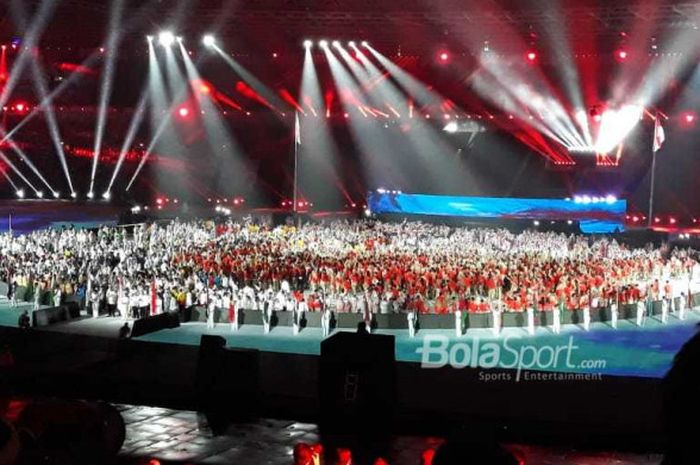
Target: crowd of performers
{"x":365,"y":267}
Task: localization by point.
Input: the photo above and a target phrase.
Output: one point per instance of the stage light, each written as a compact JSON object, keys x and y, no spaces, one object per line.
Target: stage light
{"x":688,"y":119}
{"x":336,"y":44}
{"x":443,"y":56}
{"x":672,"y":220}
{"x":451,"y":127}
{"x":586,"y":199}
{"x":209,"y":40}
{"x":364,"y":43}
{"x":308,"y":43}
{"x":569,"y":222}
{"x":351,"y":43}
{"x":74,"y":194}
{"x":323,"y":43}
{"x":621,"y":54}
{"x":184,"y":112}
{"x":149,"y":38}
{"x":56,"y":194}
{"x":20,"y":193}
{"x":536,"y":223}
{"x":91,"y":195}
{"x":531,"y":56}
{"x":40,"y":194}
{"x":610,"y":199}
{"x":368,"y":212}
{"x":657,"y":220}
{"x":106,"y":195}
{"x":20,"y":107}
{"x":166,"y":39}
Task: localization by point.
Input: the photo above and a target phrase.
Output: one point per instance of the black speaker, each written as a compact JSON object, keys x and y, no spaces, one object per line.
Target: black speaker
{"x":357,"y":384}
{"x":227,"y":381}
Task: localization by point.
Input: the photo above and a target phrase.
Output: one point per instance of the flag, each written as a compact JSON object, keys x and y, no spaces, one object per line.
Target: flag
{"x":659,"y":134}
{"x":154,"y":298}
{"x":297,"y":129}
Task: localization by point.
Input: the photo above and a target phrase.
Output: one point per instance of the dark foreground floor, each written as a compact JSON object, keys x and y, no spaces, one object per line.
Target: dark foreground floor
{"x":172,"y":436}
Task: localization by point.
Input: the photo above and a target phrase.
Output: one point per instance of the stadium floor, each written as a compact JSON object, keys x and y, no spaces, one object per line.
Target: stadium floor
{"x":629,"y":350}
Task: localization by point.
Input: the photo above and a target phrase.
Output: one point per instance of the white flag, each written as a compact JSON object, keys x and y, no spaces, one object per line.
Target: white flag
{"x":297,"y":129}
{"x":659,"y":134}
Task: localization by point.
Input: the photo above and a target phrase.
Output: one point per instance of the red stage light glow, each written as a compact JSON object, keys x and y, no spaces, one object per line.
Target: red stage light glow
{"x":621,"y":54}
{"x":184,"y":112}
{"x":531,"y":56}
{"x":688,"y":119}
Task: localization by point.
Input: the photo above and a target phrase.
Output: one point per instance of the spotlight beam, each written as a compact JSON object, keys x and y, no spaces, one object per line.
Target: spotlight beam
{"x":31,"y":38}
{"x":112,"y":47}
{"x":274,"y":101}
{"x":136,"y":121}
{"x":48,"y":100}
{"x":42,"y":89}
{"x":229,"y":160}
{"x":424,"y":139}
{"x":9,"y":179}
{"x":321,"y":149}
{"x":368,"y":136}
{"x":15,"y":148}
{"x":9,"y":163}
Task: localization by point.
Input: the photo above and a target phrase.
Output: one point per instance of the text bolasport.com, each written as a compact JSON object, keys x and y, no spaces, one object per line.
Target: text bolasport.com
{"x":550,"y":362}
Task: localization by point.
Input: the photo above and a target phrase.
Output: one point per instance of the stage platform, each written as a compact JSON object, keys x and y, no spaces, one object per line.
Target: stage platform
{"x":628,"y":351}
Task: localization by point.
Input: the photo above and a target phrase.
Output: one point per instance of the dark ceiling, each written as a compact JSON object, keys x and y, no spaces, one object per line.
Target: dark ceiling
{"x":408,"y":23}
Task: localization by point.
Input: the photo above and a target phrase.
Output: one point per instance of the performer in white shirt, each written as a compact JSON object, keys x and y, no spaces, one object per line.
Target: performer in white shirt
{"x":556,"y":316}
{"x":458,"y":323}
{"x":57,"y":297}
{"x":326,"y":321}
{"x":682,"y":302}
{"x":665,"y":310}
{"x":497,"y":314}
{"x":211,"y":310}
{"x":37,"y":295}
{"x":95,"y":303}
{"x":123,"y":305}
{"x":613,"y":315}
{"x":411,"y":317}
{"x":266,"y":316}
{"x":587,"y":315}
{"x":530,"y":320}
{"x":641,"y":313}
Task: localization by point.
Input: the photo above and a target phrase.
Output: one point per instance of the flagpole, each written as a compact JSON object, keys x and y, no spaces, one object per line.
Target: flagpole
{"x":651,"y":190}
{"x":296,"y":162}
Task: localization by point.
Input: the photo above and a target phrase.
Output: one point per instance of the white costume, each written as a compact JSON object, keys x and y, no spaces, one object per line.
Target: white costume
{"x":266,"y":316}
{"x":531,"y":321}
{"x":411,"y":323}
{"x":211,"y":309}
{"x":556,"y":319}
{"x":681,"y":307}
{"x":664,"y":310}
{"x":326,"y":322}
{"x":497,"y":318}
{"x":613,"y":315}
{"x":587,"y":318}
{"x":458,"y":323}
{"x":641,"y":311}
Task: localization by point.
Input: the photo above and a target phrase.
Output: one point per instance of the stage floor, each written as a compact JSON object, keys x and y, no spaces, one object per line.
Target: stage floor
{"x":629,"y":350}
{"x":184,"y":436}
